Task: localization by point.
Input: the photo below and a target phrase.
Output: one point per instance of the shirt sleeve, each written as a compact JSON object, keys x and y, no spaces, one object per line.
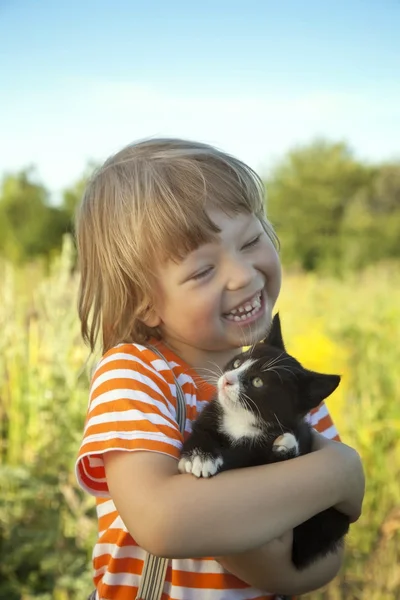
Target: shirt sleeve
{"x":132,"y":406}
{"x":322,"y":421}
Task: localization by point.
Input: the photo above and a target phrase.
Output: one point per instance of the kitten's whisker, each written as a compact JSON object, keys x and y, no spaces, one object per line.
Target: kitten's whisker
{"x":275,"y":360}
{"x":289,"y":370}
{"x":200,"y":380}
{"x":274,"y":371}
{"x":286,"y":368}
{"x":246,"y":397}
{"x":279,"y":423}
{"x":209,"y":372}
{"x":218,"y":368}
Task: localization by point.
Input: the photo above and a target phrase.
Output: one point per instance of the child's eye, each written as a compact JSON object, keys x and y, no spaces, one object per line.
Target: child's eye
{"x":202,"y":273}
{"x":257,"y":382}
{"x":252,"y":242}
{"x":237,"y":363}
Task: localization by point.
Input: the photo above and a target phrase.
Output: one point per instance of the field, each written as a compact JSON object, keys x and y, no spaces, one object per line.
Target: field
{"x":350,"y":326}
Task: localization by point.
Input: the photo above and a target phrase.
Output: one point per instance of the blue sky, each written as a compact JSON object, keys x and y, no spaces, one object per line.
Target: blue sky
{"x":81,"y":79}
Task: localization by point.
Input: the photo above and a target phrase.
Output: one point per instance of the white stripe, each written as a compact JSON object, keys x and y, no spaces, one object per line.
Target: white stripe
{"x":118,"y":524}
{"x":330,"y":432}
{"x":183,"y":378}
{"x":130,"y":415}
{"x":121,"y":579}
{"x":190,"y":565}
{"x":128,"y":374}
{"x":134,"y":395}
{"x":161,"y":365}
{"x":131,"y":357}
{"x":319,"y":415}
{"x":95,"y":461}
{"x":105,"y":508}
{"x":181,"y":593}
{"x":130,"y":435}
{"x":191,"y":400}
{"x":119,"y":551}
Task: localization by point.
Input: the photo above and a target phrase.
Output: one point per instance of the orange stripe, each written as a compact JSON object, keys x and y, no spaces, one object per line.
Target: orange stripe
{"x":324,"y":424}
{"x":212,"y":581}
{"x":141,"y":425}
{"x":117,"y":537}
{"x":138,"y":444}
{"x":114,"y":383}
{"x":125,"y":565}
{"x":105,"y":521}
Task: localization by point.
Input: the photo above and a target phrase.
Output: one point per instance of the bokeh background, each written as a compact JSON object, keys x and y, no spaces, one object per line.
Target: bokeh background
{"x":308,"y":93}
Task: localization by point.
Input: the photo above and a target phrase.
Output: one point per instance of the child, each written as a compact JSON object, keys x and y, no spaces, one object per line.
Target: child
{"x":175,"y":250}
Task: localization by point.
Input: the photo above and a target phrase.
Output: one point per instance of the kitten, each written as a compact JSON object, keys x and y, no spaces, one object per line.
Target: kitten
{"x":259,"y":416}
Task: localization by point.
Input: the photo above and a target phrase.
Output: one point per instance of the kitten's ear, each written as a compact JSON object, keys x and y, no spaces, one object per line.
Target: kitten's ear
{"x":274,"y":337}
{"x":315,"y":388}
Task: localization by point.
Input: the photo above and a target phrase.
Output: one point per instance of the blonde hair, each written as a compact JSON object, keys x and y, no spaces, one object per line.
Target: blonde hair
{"x":147,"y":203}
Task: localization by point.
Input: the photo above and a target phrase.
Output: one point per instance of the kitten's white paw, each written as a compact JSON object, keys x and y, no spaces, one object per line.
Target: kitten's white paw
{"x":286,"y":443}
{"x":200,"y":465}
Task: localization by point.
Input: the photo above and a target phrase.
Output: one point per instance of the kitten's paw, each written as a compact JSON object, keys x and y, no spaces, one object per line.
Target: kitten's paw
{"x":286,"y":444}
{"x":200,"y":464}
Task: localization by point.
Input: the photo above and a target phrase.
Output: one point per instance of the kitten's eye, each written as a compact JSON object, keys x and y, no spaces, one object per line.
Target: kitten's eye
{"x":257,"y":382}
{"x":237,"y":363}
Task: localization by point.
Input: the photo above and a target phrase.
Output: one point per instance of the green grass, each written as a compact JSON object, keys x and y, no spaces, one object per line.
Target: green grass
{"x":47,"y":525}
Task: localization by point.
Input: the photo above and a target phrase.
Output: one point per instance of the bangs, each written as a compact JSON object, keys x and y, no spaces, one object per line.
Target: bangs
{"x":178,"y":194}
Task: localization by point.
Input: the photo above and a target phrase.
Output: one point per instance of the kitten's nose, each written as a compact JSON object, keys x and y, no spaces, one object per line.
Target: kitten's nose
{"x":227,"y":379}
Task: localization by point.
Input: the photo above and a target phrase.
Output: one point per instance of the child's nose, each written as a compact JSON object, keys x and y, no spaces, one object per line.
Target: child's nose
{"x":240,"y":274}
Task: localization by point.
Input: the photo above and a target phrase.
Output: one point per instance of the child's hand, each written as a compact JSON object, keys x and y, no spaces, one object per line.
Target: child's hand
{"x":351,"y":476}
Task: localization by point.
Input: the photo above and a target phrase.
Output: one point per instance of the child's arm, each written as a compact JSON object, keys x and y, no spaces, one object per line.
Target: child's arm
{"x":176,"y":515}
{"x":270,"y":568}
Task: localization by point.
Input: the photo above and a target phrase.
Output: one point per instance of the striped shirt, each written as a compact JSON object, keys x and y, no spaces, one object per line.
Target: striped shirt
{"x":132,"y":406}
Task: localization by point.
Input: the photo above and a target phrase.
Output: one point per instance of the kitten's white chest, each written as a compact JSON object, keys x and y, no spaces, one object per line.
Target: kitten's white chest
{"x":240,"y":423}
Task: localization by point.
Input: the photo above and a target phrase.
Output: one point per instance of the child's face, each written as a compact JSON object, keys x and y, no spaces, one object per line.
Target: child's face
{"x":221,"y":296}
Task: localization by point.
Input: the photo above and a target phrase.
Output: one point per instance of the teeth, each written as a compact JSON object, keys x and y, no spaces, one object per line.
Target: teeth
{"x":250,"y":308}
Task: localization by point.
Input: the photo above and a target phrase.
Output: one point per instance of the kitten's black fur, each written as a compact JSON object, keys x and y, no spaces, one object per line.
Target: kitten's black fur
{"x":284,"y":395}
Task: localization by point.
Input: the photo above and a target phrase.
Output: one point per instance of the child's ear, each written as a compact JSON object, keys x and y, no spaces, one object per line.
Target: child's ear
{"x":274,"y":337}
{"x":315,"y":387}
{"x":150,"y":317}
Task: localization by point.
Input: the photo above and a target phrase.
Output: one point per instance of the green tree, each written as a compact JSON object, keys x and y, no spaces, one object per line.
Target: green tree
{"x":371,"y":228}
{"x":29,"y":225}
{"x":308,"y":194}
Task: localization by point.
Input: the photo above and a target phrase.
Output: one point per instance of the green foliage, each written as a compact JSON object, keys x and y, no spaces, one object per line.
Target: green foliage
{"x":29,"y":225}
{"x":47,"y":525}
{"x":332,"y":212}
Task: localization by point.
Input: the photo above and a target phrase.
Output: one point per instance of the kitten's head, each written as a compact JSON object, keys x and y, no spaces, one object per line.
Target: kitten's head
{"x":272,"y":385}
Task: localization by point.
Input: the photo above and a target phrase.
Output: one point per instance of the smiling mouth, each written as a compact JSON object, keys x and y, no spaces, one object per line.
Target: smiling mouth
{"x":246,"y":310}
